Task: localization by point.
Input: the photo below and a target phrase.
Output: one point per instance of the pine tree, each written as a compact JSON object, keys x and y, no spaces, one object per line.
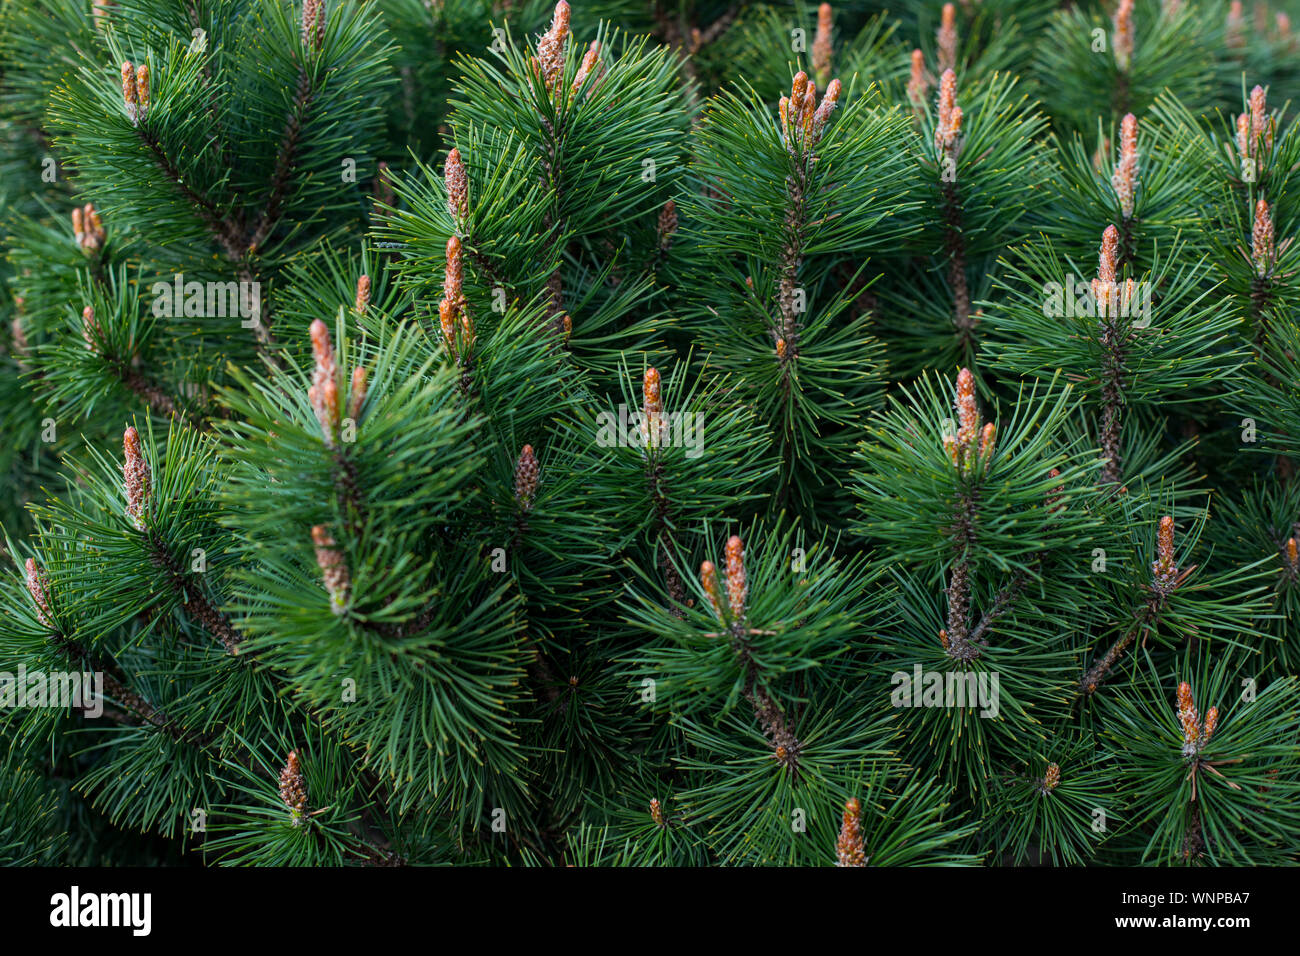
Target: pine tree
{"x":649,"y":434}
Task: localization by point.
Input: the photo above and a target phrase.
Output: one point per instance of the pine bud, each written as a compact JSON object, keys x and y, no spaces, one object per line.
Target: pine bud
{"x":946,"y":38}
{"x":38,"y":585}
{"x":21,"y":346}
{"x":1122,"y":37}
{"x":589,"y":62}
{"x":808,"y":108}
{"x":1053,"y":499}
{"x":968,"y":416}
{"x":652,"y":424}
{"x":1243,"y":144}
{"x":737,"y":586}
{"x":1261,"y":127}
{"x":948,"y":126}
{"x":78,"y":227}
{"x":1052,"y":780}
{"x":944,"y":641}
{"x":91,"y":228}
{"x":1164,"y":570}
{"x":457,"y":183}
{"x":709,"y":581}
{"x":848,"y":848}
{"x":568,"y":327}
{"x":784,"y":110}
{"x":821,"y":50}
{"x":324,"y":391}
{"x":986,"y":441}
{"x":527,"y":472}
{"x":827,"y":107}
{"x":667,"y":225}
{"x":1211,"y":722}
{"x":313,"y":24}
{"x":1234,"y":29}
{"x":798,"y":87}
{"x":1104,"y":288}
{"x":656,"y":812}
{"x":1283,"y":24}
{"x":358,"y":395}
{"x":1188,"y":718}
{"x":130,"y":95}
{"x":99,"y":13}
{"x":918,"y":87}
{"x":334,"y":570}
{"x":137,"y":481}
{"x":453,"y":276}
{"x":550,"y":47}
{"x":363,"y":295}
{"x":89,"y":327}
{"x":1293,"y":555}
{"x":447,"y":320}
{"x":142,"y":89}
{"x":781,"y":350}
{"x":293,"y":789}
{"x":1195,"y":734}
{"x":1126,"y":172}
{"x":1262,"y":249}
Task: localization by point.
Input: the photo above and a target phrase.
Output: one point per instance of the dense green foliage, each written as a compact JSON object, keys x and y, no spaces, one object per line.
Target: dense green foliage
{"x":455,"y":433}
